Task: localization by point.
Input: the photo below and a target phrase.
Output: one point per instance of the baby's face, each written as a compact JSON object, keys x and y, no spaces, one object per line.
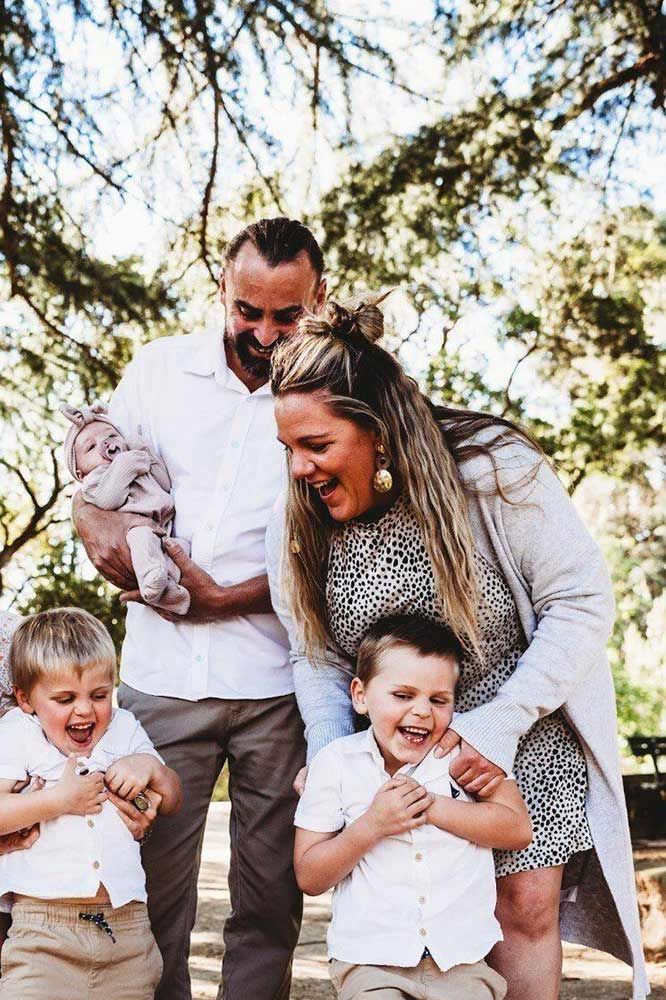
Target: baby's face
{"x":73,"y":711}
{"x":97,"y":444}
{"x":410,"y":703}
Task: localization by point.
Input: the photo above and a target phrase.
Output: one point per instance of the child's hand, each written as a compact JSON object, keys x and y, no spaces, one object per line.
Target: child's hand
{"x":79,"y":794}
{"x":130,"y":775}
{"x":399,"y":805}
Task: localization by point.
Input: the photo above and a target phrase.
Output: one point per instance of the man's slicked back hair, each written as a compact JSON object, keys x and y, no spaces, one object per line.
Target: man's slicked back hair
{"x":279,"y":241}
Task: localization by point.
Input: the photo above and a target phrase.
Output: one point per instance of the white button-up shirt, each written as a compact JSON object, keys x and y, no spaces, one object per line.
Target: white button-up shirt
{"x":73,"y":854}
{"x":422,"y":889}
{"x":219,"y":443}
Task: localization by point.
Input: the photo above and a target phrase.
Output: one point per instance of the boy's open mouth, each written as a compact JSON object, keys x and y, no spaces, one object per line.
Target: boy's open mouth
{"x":414,"y":734}
{"x":80,"y":732}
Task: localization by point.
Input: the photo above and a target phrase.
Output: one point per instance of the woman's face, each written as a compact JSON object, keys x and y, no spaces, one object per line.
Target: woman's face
{"x":335,"y":456}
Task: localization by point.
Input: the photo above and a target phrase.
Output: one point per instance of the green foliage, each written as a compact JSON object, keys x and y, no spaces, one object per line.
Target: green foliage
{"x":630,"y":519}
{"x":59,"y":580}
{"x":514,"y":195}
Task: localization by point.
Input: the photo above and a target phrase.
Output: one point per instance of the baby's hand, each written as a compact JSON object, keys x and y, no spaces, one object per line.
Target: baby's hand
{"x":130,"y":775}
{"x":79,"y":794}
{"x":143,"y":461}
{"x":399,"y":805}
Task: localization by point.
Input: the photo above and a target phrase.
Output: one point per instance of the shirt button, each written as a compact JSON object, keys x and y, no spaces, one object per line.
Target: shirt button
{"x":91,"y":824}
{"x":95,"y":865}
{"x":423,"y":932}
{"x":198,"y":658}
{"x":422,"y":899}
{"x":235,"y":444}
{"x":418,"y":856}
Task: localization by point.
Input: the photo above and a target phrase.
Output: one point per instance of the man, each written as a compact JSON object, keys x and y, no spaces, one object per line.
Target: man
{"x":216,"y":684}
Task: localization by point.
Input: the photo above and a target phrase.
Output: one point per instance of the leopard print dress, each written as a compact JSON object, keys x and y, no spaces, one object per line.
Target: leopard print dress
{"x":381,"y":568}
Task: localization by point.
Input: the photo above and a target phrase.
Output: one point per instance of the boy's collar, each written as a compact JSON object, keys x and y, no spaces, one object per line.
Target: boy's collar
{"x":427,"y":769}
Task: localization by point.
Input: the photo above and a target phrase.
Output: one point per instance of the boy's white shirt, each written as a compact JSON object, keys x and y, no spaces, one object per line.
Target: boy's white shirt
{"x":422,"y":889}
{"x":73,"y":854}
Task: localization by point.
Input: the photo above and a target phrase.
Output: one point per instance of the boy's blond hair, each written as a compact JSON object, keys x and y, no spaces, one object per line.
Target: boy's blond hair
{"x":51,"y":642}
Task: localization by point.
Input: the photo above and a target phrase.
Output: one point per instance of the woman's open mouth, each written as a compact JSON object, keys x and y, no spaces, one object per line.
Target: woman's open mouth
{"x":81,"y":733}
{"x":327,"y":488}
{"x":414,"y":734}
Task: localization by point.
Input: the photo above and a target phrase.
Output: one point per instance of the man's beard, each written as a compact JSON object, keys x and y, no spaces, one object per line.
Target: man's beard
{"x":240,"y":345}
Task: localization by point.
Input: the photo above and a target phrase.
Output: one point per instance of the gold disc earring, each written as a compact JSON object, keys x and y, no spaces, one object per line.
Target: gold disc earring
{"x":382,"y":481}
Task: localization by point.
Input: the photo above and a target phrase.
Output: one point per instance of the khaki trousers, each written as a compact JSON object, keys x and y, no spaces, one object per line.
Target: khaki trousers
{"x":263,"y":743}
{"x":52,"y":954}
{"x":422,"y":982}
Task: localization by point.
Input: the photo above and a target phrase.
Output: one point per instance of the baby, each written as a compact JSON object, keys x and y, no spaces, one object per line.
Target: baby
{"x":117,"y":475}
{"x":79,"y":919}
{"x":408,"y":851}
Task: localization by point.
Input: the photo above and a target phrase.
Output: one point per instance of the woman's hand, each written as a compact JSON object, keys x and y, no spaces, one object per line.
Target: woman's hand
{"x":299,"y":781}
{"x":21,"y":840}
{"x":474,"y":772}
{"x":138,"y":823}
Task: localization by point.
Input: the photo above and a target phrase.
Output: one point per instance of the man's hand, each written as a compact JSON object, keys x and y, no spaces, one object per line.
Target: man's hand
{"x":130,"y":775}
{"x":138,"y":823}
{"x":104,"y":535}
{"x":399,"y":805}
{"x":207,"y":597}
{"x":470,"y":769}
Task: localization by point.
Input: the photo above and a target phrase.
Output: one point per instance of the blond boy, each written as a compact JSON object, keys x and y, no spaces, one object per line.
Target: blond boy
{"x":408,"y":851}
{"x":79,"y":920}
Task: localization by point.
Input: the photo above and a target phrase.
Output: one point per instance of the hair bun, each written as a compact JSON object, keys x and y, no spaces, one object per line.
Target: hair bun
{"x":360,"y":322}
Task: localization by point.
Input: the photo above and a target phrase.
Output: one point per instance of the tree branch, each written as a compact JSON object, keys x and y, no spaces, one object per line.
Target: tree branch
{"x":643,"y":67}
{"x":508,"y":402}
{"x":33,"y":528}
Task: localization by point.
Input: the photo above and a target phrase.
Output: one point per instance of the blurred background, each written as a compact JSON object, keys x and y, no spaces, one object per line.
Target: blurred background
{"x":502,"y":165}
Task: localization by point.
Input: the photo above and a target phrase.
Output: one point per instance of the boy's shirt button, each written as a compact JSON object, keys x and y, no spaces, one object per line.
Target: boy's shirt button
{"x":95,"y":864}
{"x":91,"y":824}
{"x":423,"y":932}
{"x":418,"y":856}
{"x":422,"y":899}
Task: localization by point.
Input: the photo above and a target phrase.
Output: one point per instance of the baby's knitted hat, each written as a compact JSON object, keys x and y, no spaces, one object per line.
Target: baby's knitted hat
{"x":80,"y":418}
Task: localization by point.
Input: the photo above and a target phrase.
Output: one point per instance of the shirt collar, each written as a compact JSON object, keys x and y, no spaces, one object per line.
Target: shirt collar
{"x":203,"y":359}
{"x":95,"y":760}
{"x":429,"y":768}
{"x":208,"y":358}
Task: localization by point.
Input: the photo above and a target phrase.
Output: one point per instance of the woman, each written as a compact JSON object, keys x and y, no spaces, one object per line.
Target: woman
{"x":396,"y":506}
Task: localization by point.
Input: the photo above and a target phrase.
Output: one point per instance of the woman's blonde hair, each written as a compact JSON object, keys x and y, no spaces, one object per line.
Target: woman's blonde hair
{"x":336,"y":353}
{"x":51,"y":642}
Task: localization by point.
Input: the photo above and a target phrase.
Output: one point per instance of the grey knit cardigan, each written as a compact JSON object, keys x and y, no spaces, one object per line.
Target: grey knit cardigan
{"x":563,"y":595}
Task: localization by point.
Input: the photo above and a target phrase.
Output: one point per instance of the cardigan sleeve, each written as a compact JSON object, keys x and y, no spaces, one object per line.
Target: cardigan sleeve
{"x":547,"y":547}
{"x":322,"y":689}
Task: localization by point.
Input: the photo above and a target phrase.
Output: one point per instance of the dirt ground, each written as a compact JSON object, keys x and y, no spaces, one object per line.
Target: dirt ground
{"x":588,"y":975}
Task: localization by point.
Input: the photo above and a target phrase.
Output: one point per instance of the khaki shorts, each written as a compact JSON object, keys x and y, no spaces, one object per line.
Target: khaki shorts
{"x":422,"y":982}
{"x":52,"y":954}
